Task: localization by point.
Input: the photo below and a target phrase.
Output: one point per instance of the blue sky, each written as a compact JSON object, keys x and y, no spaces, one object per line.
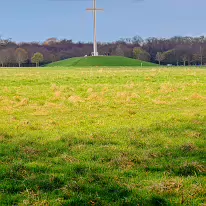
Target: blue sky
{"x":37,"y":20}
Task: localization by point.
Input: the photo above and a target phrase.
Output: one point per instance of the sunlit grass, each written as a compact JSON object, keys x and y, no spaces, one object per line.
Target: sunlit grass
{"x":102,"y":136}
{"x":108,"y":61}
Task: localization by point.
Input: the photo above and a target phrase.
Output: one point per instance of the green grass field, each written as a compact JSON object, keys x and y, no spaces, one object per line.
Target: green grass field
{"x":102,"y":136}
{"x":100,"y":61}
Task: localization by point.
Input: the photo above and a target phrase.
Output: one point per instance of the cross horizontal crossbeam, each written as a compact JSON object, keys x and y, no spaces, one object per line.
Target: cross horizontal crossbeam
{"x":91,"y":9}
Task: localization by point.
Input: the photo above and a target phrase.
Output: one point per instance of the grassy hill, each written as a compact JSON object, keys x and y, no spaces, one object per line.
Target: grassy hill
{"x":100,"y":61}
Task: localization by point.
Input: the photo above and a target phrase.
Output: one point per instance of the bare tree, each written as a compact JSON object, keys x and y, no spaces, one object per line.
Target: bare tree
{"x":119,"y":51}
{"x":4,"y":57}
{"x":184,"y":59}
{"x":11,"y":56}
{"x":201,"y":55}
{"x":197,"y":58}
{"x":160,"y":57}
{"x":21,"y":56}
{"x":4,"y":42}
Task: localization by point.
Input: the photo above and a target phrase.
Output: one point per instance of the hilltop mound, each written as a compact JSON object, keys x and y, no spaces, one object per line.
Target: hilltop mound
{"x":100,"y":61}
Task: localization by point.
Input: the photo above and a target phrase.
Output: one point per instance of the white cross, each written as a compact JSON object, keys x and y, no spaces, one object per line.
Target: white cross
{"x":94,"y":10}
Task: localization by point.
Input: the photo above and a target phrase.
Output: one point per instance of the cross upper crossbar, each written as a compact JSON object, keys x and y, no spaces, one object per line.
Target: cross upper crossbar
{"x":92,"y":9}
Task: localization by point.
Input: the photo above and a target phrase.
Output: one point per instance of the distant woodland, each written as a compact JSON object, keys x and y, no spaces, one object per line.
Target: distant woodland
{"x":176,"y":50}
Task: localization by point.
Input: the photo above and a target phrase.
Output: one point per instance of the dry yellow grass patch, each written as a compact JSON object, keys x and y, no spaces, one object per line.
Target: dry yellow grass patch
{"x":51,"y":105}
{"x":31,"y":151}
{"x":6,"y":89}
{"x":5,"y":101}
{"x":54,"y":87}
{"x":196,"y":190}
{"x":148,"y":78}
{"x":169,"y":187}
{"x":105,"y":89}
{"x":101,"y":70}
{"x":167,"y":88}
{"x":130,"y":86}
{"x":68,"y":158}
{"x":160,"y":102}
{"x":57,"y":94}
{"x":197,"y":122}
{"x":95,"y":97}
{"x":123,"y":96}
{"x":122,"y":162}
{"x":126,"y":96}
{"x":1,"y":138}
{"x":23,"y":102}
{"x":149,"y":91}
{"x":54,"y":106}
{"x":41,"y":112}
{"x":8,"y":108}
{"x":197,"y":96}
{"x":38,"y":203}
{"x":78,"y":148}
{"x":188,"y":147}
{"x":89,"y":90}
{"x":193,"y":134}
{"x":194,"y":74}
{"x":75,"y":99}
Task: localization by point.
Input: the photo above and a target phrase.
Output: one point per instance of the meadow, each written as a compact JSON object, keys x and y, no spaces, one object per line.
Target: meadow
{"x":102,"y":136}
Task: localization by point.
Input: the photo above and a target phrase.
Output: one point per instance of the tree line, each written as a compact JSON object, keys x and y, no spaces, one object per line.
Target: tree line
{"x":176,"y":50}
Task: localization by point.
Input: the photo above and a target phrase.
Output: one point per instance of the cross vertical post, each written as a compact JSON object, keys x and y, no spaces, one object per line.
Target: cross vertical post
{"x":94,"y":10}
{"x":95,"y":28}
